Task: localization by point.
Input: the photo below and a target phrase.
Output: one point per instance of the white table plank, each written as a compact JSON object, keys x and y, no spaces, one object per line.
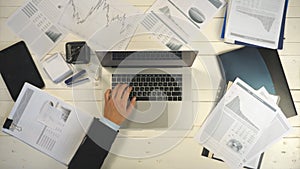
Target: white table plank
{"x":16,"y":154}
{"x":284,"y":154}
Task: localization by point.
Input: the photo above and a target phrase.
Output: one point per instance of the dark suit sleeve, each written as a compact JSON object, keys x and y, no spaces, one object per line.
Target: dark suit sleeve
{"x":94,"y":148}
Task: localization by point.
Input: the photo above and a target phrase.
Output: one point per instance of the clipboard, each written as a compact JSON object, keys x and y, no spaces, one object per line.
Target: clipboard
{"x":18,"y":67}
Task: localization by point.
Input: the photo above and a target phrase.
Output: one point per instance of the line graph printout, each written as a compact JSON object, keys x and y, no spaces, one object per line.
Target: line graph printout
{"x":255,"y":21}
{"x":106,"y":24}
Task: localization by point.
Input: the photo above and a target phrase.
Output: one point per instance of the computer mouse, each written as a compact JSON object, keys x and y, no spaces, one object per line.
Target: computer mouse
{"x":196,"y":15}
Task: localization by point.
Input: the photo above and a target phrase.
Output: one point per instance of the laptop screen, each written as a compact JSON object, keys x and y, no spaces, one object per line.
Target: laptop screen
{"x":146,"y":58}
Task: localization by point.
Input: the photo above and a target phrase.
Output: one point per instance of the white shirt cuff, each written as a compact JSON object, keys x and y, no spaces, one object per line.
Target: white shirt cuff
{"x":110,"y":124}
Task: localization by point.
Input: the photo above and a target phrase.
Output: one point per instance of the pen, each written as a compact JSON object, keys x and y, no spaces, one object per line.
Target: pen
{"x":81,"y":80}
{"x":72,"y":80}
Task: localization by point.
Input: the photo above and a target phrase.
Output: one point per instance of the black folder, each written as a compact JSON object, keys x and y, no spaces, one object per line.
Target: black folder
{"x":18,"y":67}
{"x":259,"y":67}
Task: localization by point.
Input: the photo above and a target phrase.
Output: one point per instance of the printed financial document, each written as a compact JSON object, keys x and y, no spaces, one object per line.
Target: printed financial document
{"x":48,"y":124}
{"x":238,"y":128}
{"x":106,"y":24}
{"x":255,"y":22}
{"x":176,"y":22}
{"x":36,"y":23}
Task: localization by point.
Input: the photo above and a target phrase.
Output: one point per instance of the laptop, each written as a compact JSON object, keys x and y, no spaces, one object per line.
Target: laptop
{"x":161,"y":81}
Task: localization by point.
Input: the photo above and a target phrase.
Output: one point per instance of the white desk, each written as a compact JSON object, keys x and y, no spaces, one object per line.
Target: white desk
{"x":186,"y":154}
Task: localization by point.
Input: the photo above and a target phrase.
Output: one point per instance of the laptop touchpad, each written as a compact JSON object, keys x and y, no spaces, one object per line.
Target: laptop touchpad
{"x":148,"y":115}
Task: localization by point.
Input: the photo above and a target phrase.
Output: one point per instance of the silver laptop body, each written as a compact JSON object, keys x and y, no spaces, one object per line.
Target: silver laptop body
{"x":154,"y":113}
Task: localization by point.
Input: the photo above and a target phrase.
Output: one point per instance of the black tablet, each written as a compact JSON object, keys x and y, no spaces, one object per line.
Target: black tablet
{"x":18,"y":67}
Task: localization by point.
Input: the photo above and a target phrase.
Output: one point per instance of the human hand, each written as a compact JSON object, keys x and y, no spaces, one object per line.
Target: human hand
{"x":116,"y":107}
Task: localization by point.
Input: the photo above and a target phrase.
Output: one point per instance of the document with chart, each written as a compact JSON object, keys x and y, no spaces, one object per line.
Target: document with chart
{"x":36,"y":23}
{"x":239,"y":128}
{"x":47,"y":124}
{"x":255,"y":22}
{"x":175,"y":22}
{"x":106,"y":24}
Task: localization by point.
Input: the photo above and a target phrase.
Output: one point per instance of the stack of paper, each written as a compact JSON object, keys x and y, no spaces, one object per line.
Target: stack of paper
{"x":259,"y":23}
{"x":240,"y":127}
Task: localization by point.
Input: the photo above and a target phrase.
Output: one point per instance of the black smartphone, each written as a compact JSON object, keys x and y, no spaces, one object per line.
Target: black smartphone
{"x":77,"y":52}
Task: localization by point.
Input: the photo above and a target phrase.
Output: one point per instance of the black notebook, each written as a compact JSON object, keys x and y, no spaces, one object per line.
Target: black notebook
{"x":18,"y":67}
{"x":259,"y":67}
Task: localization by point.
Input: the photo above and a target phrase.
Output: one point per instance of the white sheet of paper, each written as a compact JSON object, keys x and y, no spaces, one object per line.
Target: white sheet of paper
{"x":271,"y":98}
{"x":269,"y":137}
{"x":250,"y":103}
{"x":36,"y":23}
{"x":106,"y":24}
{"x":176,"y":22}
{"x":48,"y":124}
{"x":256,"y":22}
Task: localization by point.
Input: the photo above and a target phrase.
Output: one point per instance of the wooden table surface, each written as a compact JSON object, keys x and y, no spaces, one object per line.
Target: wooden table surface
{"x":285,"y":154}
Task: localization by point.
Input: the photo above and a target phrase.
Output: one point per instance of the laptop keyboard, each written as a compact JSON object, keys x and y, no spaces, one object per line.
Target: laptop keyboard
{"x":152,"y":87}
